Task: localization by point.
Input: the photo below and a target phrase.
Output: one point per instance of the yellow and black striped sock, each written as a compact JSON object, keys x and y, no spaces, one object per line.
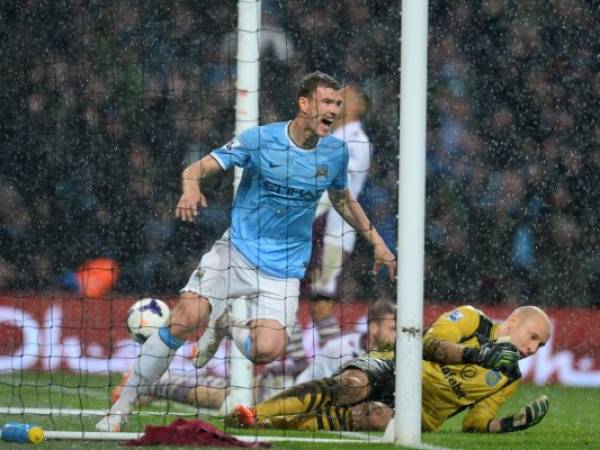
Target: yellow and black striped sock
{"x":301,"y":399}
{"x":335,"y":418}
{"x":328,"y":418}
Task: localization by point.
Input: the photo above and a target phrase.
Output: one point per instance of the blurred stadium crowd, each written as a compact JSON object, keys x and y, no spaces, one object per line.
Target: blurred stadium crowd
{"x":102,"y":103}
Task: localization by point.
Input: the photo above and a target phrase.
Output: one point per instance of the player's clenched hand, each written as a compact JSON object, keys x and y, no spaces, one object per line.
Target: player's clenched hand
{"x":187,"y":208}
{"x":502,"y":356}
{"x":384,"y":257}
{"x":529,"y":416}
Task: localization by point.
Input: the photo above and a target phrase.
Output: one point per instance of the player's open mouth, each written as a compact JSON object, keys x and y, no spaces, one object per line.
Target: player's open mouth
{"x":327,"y":122}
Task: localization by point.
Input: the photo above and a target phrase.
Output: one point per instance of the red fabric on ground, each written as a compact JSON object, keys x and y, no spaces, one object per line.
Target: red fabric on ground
{"x":190,"y":432}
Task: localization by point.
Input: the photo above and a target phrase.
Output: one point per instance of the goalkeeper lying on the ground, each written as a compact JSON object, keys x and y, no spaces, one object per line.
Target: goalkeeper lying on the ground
{"x":469,"y":363}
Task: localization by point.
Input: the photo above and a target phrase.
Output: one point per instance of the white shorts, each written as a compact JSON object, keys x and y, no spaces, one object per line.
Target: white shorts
{"x":224,"y":275}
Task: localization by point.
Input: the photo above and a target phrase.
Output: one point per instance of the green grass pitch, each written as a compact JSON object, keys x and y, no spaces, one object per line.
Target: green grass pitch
{"x":572,"y":423}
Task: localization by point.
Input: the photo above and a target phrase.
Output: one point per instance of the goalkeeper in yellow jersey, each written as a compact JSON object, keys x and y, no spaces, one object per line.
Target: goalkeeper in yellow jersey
{"x":469,"y":363}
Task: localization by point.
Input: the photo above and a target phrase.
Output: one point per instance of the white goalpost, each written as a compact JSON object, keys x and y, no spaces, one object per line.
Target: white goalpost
{"x":405,"y":429}
{"x":241,"y":379}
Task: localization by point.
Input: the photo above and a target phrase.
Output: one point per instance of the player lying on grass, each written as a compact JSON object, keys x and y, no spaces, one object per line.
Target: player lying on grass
{"x":469,"y":363}
{"x":204,"y":389}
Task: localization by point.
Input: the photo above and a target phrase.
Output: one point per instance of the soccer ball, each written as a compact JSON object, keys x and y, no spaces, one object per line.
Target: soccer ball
{"x":145,"y":317}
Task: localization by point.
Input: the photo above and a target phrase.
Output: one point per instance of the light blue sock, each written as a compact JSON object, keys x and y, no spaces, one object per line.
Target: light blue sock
{"x":248,"y":348}
{"x":171,"y":341}
{"x":243,"y":341}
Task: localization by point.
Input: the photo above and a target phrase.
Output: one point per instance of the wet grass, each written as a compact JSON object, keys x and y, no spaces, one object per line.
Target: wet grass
{"x":572,"y":422}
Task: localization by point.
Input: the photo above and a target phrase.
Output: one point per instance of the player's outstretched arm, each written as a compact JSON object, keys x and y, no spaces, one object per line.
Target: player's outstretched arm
{"x":351,"y":211}
{"x":191,"y":195}
{"x":530,"y":415}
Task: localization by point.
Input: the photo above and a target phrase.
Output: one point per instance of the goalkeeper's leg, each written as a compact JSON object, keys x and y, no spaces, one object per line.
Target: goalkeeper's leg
{"x":328,"y":418}
{"x":155,"y":356}
{"x":347,"y":389}
{"x":365,"y":416}
{"x":305,"y":398}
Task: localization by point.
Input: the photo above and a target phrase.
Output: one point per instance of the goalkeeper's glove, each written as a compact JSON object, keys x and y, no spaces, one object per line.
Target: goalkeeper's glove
{"x":529,"y":416}
{"x":502,"y":356}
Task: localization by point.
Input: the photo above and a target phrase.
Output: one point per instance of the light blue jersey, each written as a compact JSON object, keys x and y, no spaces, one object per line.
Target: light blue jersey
{"x":274,"y":207}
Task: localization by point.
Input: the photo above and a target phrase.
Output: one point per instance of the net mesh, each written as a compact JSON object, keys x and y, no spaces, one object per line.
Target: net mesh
{"x":103,"y":105}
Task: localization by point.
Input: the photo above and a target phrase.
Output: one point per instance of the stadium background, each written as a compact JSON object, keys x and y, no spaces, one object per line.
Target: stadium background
{"x":103,"y":103}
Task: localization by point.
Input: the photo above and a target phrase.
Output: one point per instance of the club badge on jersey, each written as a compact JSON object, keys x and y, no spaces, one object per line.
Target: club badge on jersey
{"x":322,"y":170}
{"x":455,"y":316}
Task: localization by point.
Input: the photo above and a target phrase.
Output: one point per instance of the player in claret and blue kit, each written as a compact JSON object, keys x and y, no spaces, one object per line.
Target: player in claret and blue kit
{"x":261,"y":258}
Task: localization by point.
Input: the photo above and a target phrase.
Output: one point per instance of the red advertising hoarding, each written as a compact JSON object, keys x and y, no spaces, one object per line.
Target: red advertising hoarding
{"x":89,"y":335}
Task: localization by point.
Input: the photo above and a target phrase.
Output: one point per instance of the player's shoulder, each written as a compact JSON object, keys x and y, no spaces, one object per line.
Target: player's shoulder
{"x":275,"y":130}
{"x":465,"y":313}
{"x":265,"y":135}
{"x":354,"y":133}
{"x":335,"y":149}
{"x":331,"y":141}
{"x":261,"y":131}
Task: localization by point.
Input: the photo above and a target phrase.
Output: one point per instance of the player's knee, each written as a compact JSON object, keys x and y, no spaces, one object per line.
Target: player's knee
{"x":188,"y":314}
{"x":265,"y":351}
{"x":268,"y":341}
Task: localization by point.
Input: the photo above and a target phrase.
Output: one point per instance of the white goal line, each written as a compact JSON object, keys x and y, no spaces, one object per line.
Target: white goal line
{"x":104,"y":436}
{"x":97,"y":435}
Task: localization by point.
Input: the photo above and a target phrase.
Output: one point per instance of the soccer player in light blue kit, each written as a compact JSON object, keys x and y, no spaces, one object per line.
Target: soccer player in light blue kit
{"x":261,"y":258}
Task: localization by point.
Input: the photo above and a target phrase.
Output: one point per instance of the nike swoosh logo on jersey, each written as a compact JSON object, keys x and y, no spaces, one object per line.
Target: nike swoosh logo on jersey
{"x":273,"y":165}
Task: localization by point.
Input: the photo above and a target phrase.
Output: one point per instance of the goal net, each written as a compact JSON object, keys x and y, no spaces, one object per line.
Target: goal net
{"x":103,"y":105}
